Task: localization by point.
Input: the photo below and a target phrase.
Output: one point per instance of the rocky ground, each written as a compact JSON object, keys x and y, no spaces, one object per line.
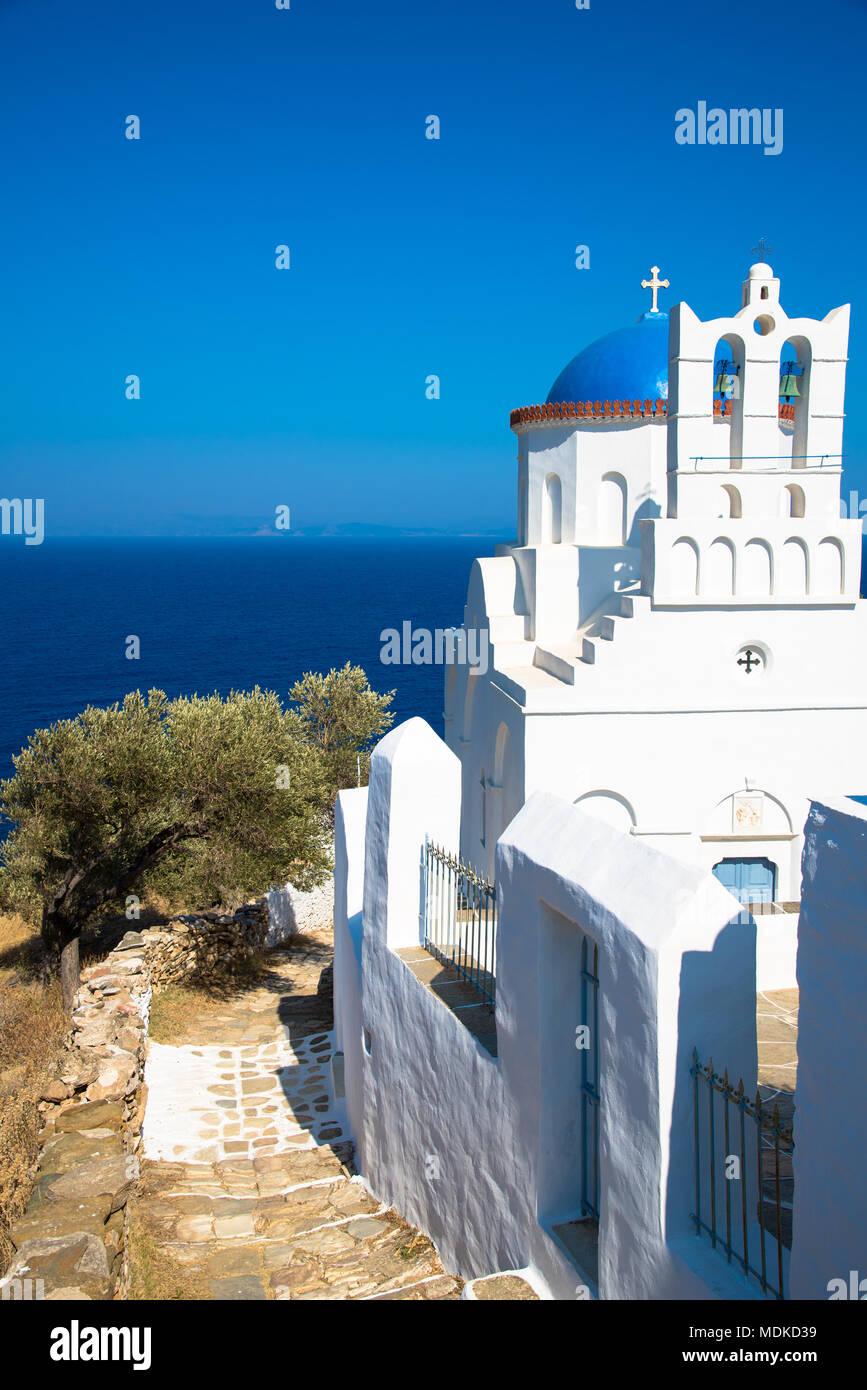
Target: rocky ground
{"x":247,"y":1187}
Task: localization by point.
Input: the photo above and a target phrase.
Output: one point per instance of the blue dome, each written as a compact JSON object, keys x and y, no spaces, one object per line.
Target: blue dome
{"x":626,"y":365}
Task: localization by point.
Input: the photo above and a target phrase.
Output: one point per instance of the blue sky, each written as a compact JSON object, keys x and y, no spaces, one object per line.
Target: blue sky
{"x":408,"y":256}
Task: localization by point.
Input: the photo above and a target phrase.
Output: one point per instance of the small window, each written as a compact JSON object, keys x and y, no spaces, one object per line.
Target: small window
{"x":764,"y":291}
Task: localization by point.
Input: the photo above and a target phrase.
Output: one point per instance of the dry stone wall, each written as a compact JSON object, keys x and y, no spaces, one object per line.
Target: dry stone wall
{"x":71,"y":1241}
{"x":204,"y":945}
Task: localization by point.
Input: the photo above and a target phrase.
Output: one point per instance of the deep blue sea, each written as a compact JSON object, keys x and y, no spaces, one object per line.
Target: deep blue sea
{"x":215,"y":615}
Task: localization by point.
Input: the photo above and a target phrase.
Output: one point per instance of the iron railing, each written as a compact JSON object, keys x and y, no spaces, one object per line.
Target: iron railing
{"x":757,"y":1153}
{"x":460,"y":918}
{"x":590,"y":1080}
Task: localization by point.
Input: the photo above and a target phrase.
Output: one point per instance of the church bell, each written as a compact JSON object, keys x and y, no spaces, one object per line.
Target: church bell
{"x":789,"y":380}
{"x":726,"y":380}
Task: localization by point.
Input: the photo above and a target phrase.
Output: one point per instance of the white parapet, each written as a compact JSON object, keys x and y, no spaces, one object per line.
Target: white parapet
{"x":485,"y":1154}
{"x":830,"y":1208}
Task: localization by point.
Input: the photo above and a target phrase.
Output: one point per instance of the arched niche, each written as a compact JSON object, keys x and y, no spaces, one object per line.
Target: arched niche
{"x":552,"y":510}
{"x":612,"y":509}
{"x":685,"y":566}
{"x":501,"y":751}
{"x":793,"y":501}
{"x":794,"y":575}
{"x":609,"y":807}
{"x":730,"y":349}
{"x":503,"y":783}
{"x":719,"y":575}
{"x":469,"y":701}
{"x":799,"y":349}
{"x":754,"y":813}
{"x":731,"y":504}
{"x":757,"y":569}
{"x":830,"y":573}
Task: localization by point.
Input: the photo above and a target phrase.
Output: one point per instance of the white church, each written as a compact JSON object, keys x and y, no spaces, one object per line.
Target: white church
{"x":676,"y":636}
{"x":554,"y":929}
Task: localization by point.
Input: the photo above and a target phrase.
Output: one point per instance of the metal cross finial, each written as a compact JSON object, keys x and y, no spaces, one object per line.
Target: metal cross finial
{"x":750,"y":660}
{"x":762,"y":250}
{"x":655,"y":285}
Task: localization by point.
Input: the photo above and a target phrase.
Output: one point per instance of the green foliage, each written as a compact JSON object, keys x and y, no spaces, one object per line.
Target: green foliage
{"x":203,"y":799}
{"x":342,"y":717}
{"x":119,"y":800}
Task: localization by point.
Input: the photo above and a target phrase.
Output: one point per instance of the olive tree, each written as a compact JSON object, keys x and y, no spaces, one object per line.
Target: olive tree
{"x":213,"y":793}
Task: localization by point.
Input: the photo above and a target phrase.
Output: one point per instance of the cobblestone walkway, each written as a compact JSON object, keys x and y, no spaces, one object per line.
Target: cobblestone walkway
{"x":247,"y":1177}
{"x":777,"y":1033}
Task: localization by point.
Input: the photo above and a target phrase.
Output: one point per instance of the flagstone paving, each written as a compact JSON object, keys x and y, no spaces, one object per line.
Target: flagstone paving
{"x":247,"y":1176}
{"x":777,"y":1034}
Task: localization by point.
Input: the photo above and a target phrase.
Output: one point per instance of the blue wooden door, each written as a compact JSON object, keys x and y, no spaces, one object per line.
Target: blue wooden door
{"x":749,"y":880}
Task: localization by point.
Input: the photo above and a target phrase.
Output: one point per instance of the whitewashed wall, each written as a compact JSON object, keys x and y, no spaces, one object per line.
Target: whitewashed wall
{"x":480,"y":1153}
{"x":830,"y":1209}
{"x":291,"y":911}
{"x":350,"y":816}
{"x":675,"y":751}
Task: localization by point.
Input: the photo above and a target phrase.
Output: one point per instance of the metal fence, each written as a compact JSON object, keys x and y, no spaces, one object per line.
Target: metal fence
{"x":460,"y":918}
{"x":740,"y":1201}
{"x":590,"y":1080}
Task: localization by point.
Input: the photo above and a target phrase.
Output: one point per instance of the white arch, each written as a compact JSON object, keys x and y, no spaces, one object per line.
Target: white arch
{"x":830,"y":573}
{"x":731,"y":501}
{"x":720,"y":817}
{"x":720,"y":571}
{"x":610,"y":807}
{"x":794,"y":502}
{"x":612,"y":509}
{"x":757,"y":571}
{"x":685,"y":570}
{"x":794,"y":577}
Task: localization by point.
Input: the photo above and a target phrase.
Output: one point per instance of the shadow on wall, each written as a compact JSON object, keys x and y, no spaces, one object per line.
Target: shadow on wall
{"x":647,"y":510}
{"x":291,"y":912}
{"x":711,"y":1021}
{"x":281,"y":916}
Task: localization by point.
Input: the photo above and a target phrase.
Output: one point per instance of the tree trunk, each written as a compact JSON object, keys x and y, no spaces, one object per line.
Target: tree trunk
{"x":65,"y":934}
{"x":70,"y":977}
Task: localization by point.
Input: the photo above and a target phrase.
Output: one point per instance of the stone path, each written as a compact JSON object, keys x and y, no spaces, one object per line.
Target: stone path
{"x":777,"y":1034}
{"x":247,"y":1177}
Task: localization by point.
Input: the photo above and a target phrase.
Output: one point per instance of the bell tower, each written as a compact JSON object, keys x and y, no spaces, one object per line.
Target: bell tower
{"x":753,"y":509}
